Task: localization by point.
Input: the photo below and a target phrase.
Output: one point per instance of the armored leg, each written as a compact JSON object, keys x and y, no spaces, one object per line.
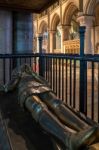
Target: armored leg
{"x":57,"y":106}
{"x":45,"y":116}
{"x":63,"y":112}
{"x":52,"y":125}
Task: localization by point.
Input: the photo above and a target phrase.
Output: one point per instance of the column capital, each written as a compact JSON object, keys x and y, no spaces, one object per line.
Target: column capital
{"x":52,"y":31}
{"x":40,"y":38}
{"x":97,"y":27}
{"x":64,"y":27}
{"x":86,"y":20}
{"x":39,"y":35}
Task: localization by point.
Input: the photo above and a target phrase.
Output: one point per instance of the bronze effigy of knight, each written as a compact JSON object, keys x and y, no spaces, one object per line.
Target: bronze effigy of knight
{"x":53,"y":116}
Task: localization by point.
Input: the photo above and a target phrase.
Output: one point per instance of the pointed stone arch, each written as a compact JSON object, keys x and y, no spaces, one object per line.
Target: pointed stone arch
{"x":70,"y":9}
{"x":43,"y":26}
{"x":90,"y":6}
{"x":43,"y":32}
{"x":96,"y":15}
{"x":55,"y":21}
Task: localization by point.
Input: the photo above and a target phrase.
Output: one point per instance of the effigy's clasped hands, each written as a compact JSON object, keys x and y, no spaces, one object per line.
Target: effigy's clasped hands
{"x":53,"y":116}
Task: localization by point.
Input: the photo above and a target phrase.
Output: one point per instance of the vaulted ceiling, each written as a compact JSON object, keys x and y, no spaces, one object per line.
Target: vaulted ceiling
{"x":26,"y":5}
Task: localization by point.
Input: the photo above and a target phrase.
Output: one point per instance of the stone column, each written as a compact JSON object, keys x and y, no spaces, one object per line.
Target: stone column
{"x":97,"y":38}
{"x":23,"y":32}
{"x":66,"y":32}
{"x":87,"y":21}
{"x":39,"y":36}
{"x":52,"y":40}
{"x":5,"y":32}
{"x":93,"y":39}
{"x":5,"y":41}
{"x":64,"y":36}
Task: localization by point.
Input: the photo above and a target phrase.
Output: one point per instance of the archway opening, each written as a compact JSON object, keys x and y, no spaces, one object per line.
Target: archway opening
{"x":45,"y":40}
{"x":74,"y":27}
{"x":96,"y":29}
{"x":57,"y":37}
{"x":70,"y":20}
{"x":71,"y":30}
{"x":44,"y":32}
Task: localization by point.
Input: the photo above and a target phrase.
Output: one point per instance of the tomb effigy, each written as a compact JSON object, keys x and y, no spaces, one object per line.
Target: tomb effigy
{"x":52,"y":115}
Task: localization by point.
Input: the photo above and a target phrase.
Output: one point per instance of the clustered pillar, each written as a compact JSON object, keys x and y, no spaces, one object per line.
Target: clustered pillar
{"x":87,"y":21}
{"x":97,"y":39}
{"x":5,"y":32}
{"x":23,"y":32}
{"x":52,"y":40}
{"x":16,"y":32}
{"x":5,"y":41}
{"x":64,"y":36}
{"x":39,"y":45}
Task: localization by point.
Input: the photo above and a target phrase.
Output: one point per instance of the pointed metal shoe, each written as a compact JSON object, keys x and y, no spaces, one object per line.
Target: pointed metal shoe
{"x":83,"y":138}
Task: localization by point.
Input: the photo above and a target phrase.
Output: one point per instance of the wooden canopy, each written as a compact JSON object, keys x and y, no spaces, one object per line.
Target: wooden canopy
{"x":26,"y":5}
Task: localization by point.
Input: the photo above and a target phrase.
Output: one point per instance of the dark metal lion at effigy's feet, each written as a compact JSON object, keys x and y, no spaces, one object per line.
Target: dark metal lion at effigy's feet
{"x":53,"y":116}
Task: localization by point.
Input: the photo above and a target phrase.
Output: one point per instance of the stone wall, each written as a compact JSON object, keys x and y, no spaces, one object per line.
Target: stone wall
{"x":16,"y":32}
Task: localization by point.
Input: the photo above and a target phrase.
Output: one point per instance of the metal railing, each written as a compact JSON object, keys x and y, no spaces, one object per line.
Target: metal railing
{"x":10,"y":61}
{"x":73,"y":78}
